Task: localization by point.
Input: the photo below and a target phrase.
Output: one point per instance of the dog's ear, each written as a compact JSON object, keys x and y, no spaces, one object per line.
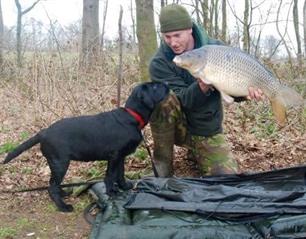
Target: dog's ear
{"x":158,"y":91}
{"x":146,"y":95}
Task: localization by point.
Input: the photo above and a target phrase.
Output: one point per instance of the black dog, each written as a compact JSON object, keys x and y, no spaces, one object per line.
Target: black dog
{"x":106,"y":136}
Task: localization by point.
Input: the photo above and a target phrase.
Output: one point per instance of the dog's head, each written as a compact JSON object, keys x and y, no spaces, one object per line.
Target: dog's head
{"x":146,"y":96}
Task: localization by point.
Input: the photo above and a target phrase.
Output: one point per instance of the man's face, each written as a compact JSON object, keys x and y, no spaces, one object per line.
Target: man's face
{"x":179,"y":41}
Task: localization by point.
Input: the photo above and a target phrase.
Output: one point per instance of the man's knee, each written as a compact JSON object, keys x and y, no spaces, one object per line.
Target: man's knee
{"x":213,"y":155}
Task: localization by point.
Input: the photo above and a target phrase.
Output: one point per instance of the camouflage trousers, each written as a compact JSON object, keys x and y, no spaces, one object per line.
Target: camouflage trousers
{"x":168,"y":126}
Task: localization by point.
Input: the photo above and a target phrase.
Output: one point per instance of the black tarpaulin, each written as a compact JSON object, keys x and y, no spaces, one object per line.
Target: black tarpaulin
{"x":263,"y":205}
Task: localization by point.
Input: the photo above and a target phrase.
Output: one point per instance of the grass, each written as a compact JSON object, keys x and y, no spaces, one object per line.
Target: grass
{"x":10,"y":232}
{"x":22,"y":222}
{"x":10,"y":145}
{"x":97,"y":170}
{"x":7,"y":232}
{"x":27,"y":170}
{"x":141,"y":154}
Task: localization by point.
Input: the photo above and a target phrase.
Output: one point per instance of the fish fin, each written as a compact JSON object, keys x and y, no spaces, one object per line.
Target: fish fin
{"x":227,"y":98}
{"x":279,"y":111}
{"x":290,"y":97}
{"x":285,"y":98}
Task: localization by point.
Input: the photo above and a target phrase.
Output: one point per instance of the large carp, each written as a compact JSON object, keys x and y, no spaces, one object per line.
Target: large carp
{"x":232,"y":72}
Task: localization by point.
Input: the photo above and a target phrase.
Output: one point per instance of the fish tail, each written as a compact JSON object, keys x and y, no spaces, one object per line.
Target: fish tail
{"x":286,"y":97}
{"x":291,"y":97}
{"x":279,"y":111}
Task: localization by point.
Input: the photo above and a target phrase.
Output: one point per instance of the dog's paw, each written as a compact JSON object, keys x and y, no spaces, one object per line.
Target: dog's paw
{"x":65,"y":193}
{"x":112,"y":191}
{"x":66,"y":208}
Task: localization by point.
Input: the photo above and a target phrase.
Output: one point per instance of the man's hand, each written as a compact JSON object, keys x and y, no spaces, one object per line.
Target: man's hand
{"x":255,"y":94}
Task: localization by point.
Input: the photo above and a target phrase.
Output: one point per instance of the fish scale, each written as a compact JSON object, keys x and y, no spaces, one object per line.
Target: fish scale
{"x":232,"y":72}
{"x":245,"y":71}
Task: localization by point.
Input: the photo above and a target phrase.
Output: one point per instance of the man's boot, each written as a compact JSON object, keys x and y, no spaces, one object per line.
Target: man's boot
{"x":163,"y":126}
{"x":163,"y":150}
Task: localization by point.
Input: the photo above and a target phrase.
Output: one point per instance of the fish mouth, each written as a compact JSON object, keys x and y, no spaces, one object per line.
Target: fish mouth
{"x":177,"y":60}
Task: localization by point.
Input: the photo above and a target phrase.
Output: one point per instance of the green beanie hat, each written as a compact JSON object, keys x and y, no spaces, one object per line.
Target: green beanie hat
{"x":174,"y":17}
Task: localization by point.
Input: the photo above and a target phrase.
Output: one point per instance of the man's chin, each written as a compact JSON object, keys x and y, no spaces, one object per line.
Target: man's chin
{"x":177,"y":52}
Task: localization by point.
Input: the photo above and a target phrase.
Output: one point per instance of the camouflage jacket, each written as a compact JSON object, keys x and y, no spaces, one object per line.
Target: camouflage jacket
{"x":203,"y":112}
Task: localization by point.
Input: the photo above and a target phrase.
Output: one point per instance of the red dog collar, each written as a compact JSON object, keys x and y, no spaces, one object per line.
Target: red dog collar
{"x":137,"y":117}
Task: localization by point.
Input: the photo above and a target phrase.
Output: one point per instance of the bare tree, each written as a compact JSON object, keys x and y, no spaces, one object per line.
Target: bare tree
{"x":256,"y":45}
{"x":246,"y":26}
{"x":20,"y":14}
{"x":206,"y":21}
{"x":120,"y":71}
{"x":211,"y":18}
{"x":133,"y":23}
{"x":147,"y":41}
{"x":216,"y":26}
{"x":1,"y":38}
{"x":197,"y":11}
{"x":103,"y":24}
{"x":296,"y":28}
{"x":163,"y":3}
{"x":271,"y":46}
{"x":224,"y":21}
{"x":304,"y":25}
{"x":282,"y":36}
{"x":90,"y":33}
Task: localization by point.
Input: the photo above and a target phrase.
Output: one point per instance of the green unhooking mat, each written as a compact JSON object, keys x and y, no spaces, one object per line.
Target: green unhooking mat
{"x":264,"y":205}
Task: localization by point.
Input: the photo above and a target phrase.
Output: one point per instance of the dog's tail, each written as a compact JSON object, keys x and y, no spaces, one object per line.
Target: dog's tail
{"x":22,"y":147}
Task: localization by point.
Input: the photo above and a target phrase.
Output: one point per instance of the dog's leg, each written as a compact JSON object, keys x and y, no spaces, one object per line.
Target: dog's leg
{"x":122,"y":183}
{"x":58,"y":171}
{"x":65,"y":193}
{"x":110,"y":178}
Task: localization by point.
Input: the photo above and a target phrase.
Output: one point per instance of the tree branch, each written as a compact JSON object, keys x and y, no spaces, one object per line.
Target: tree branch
{"x":29,"y":8}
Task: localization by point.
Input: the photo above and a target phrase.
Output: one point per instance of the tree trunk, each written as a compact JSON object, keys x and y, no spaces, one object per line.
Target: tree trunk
{"x":246,"y":33}
{"x":20,"y":13}
{"x":304,"y":26}
{"x":90,"y":33}
{"x":204,"y":5}
{"x":103,"y":24}
{"x":1,"y":39}
{"x":224,"y":21}
{"x":216,"y":27}
{"x":147,"y":41}
{"x":120,"y":71}
{"x":282,"y":36}
{"x":197,"y":11}
{"x":163,"y":3}
{"x":133,"y":25}
{"x":296,"y":29}
{"x":211,"y":18}
{"x":18,"y":33}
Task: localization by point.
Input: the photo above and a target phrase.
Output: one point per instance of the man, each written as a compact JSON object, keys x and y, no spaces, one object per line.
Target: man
{"x":192,"y":115}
